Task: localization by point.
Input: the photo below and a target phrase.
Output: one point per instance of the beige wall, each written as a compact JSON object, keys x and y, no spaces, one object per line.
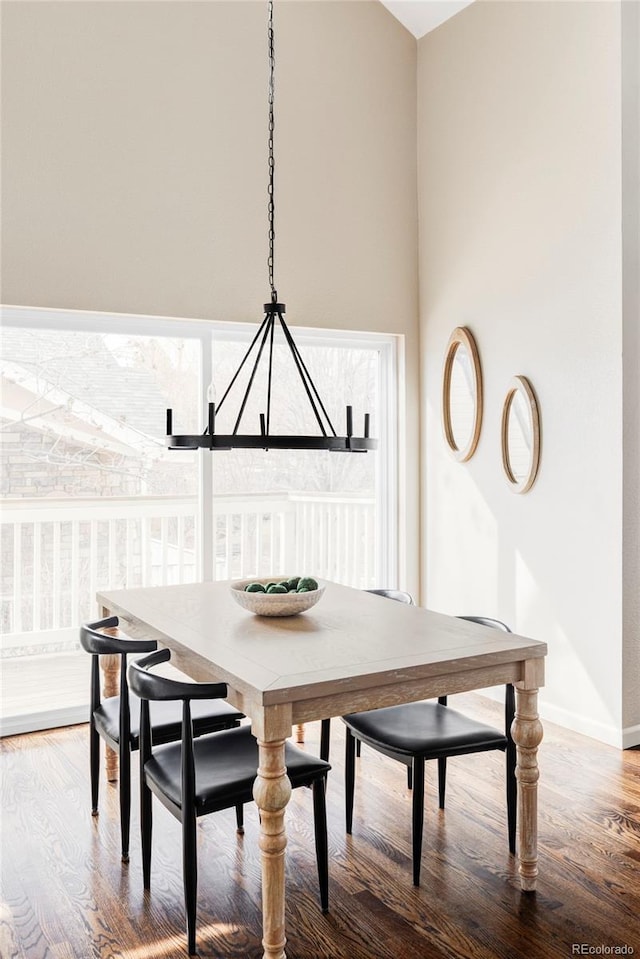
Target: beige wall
{"x":135,"y":168}
{"x":519,"y":121}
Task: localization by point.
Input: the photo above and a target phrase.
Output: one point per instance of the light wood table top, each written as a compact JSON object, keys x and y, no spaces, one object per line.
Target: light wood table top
{"x":354,"y":650}
{"x":348,"y":642}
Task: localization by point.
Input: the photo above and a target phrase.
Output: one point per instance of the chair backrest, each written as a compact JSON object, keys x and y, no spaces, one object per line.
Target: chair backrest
{"x":510,"y":693}
{"x":486,"y":621}
{"x":100,"y":644}
{"x":148,"y":687}
{"x":398,"y":594}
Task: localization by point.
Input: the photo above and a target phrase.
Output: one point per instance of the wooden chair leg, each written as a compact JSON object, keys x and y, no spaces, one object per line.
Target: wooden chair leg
{"x":94,"y":766}
{"x":125,"y":798}
{"x":325,"y":736}
{"x":349,"y":777}
{"x":442,"y":780}
{"x":322,"y":843}
{"x":146,"y":827}
{"x":240,"y":818}
{"x":358,"y":747}
{"x":417,"y":816}
{"x":190,"y":876}
{"x":409,"y":777}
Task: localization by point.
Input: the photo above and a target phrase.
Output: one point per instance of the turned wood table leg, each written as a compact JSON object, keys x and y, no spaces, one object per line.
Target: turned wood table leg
{"x":271,"y":791}
{"x":527,"y":735}
{"x":300,"y":733}
{"x":110,"y":666}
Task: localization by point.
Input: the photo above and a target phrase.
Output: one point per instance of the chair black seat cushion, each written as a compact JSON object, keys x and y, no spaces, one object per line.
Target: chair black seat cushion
{"x":166,"y":718}
{"x":423,"y":729}
{"x":226,"y":765}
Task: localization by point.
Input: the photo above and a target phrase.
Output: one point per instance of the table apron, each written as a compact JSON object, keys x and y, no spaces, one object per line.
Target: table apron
{"x":351,"y":701}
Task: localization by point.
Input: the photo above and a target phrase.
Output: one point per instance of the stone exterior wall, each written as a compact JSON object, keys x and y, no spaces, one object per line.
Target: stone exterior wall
{"x":40,"y":464}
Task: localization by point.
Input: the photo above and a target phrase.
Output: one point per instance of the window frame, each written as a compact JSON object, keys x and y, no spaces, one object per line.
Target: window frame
{"x":207,"y":332}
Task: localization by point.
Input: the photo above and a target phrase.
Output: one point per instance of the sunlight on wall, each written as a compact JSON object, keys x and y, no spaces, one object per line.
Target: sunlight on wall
{"x":462,"y":558}
{"x":478,"y":536}
{"x":567,"y":678}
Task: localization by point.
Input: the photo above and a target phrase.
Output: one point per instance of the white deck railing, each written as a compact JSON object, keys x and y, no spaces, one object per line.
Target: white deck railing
{"x":57,"y":553}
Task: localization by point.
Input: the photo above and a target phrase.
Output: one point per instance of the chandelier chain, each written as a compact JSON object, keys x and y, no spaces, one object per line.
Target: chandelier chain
{"x":271,"y":209}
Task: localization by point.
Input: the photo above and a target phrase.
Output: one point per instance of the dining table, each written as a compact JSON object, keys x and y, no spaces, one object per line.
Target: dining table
{"x":352,"y":651}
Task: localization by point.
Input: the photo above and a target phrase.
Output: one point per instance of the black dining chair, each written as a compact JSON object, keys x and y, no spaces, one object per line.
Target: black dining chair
{"x":416,"y":732}
{"x":215,"y":772}
{"x":117,"y":718}
{"x":325,"y":727}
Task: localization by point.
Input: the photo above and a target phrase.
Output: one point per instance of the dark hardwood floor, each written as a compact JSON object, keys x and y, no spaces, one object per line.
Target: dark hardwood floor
{"x":66,"y":895}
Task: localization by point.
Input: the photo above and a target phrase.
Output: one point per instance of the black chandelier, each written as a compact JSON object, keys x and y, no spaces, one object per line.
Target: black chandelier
{"x":274,"y":311}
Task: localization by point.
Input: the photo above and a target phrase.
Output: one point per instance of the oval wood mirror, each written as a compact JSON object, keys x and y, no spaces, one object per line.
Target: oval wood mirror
{"x":520,"y":435}
{"x":462,"y":394}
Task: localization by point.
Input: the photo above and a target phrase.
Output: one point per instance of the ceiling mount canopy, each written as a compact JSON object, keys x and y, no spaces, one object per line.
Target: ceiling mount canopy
{"x":327,"y":438}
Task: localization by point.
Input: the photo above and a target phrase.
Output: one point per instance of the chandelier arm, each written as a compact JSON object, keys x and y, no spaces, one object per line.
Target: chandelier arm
{"x":304,"y":372}
{"x":243,"y":361}
{"x":270,"y":321}
{"x":273,"y":326}
{"x":305,"y":378}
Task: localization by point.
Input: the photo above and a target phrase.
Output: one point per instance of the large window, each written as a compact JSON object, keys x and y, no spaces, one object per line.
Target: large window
{"x":92,"y":499}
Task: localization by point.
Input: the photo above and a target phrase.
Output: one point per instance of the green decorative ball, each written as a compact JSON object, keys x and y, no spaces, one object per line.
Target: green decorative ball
{"x":254,"y":588}
{"x":307,"y":584}
{"x":277,"y":588}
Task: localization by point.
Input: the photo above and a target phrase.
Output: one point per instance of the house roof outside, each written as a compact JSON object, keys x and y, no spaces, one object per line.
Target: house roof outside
{"x":73,"y":385}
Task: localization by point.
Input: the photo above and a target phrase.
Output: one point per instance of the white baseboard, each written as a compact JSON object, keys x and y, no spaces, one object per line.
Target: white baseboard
{"x":625,"y":738}
{"x":631,"y":736}
{"x":603,"y":732}
{"x":51,"y":719}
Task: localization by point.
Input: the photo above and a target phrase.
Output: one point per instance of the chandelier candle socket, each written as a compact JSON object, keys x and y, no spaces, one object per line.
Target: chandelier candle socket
{"x":327,"y":438}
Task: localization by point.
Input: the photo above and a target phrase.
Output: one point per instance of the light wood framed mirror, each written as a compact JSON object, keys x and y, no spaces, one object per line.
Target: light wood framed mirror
{"x":462,"y":394}
{"x":520,"y":435}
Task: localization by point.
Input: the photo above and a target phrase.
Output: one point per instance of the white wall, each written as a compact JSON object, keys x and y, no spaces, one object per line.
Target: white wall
{"x":519,"y":120}
{"x":631,"y":367}
{"x":135,"y":168}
